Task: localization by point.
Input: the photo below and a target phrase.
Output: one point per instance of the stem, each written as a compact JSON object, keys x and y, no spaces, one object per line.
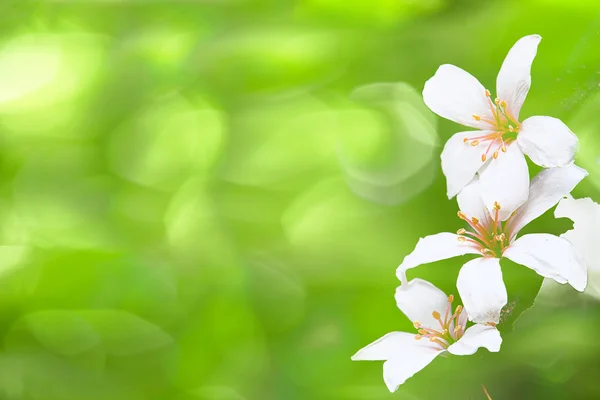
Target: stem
{"x":486,"y":392}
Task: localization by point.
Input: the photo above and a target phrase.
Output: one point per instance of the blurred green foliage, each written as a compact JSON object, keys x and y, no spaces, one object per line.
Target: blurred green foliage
{"x":207,"y":199}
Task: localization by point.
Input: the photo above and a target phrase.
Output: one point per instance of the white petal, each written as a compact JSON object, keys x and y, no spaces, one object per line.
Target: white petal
{"x":547,"y":188}
{"x":406,"y":354}
{"x":482,"y":289}
{"x":418,"y":299}
{"x":547,"y":141}
{"x":434,"y":248}
{"x":505,"y":180}
{"x":585,"y":235}
{"x":461,"y":161}
{"x":454,"y":94}
{"x":475,"y":337}
{"x":397,"y":370}
{"x":551,"y":257}
{"x":471,"y":203}
{"x":514,"y":78}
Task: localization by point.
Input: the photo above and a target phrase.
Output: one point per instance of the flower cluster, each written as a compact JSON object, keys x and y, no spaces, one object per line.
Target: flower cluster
{"x":487,"y":172}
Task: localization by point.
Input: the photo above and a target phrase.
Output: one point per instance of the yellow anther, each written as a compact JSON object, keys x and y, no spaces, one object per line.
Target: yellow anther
{"x":432,"y":339}
{"x":461,"y":231}
{"x":418,"y":337}
{"x":474,"y":220}
{"x":474,"y":142}
{"x":496,"y":205}
{"x":465,"y":140}
{"x":457,"y":329}
{"x":459,"y":309}
{"x":422,"y":331}
{"x":503,"y":104}
{"x":495,"y":155}
{"x":417,"y":324}
{"x":444,"y":332}
{"x":483,"y":157}
{"x":485,"y":251}
{"x":491,"y":323}
{"x":497,"y":101}
{"x":511,"y":128}
{"x":461,"y":215}
{"x":476,"y":117}
{"x":487,"y":93}
{"x":436,"y":315}
{"x":450,"y":298}
{"x":503,"y":148}
{"x":461,"y":239}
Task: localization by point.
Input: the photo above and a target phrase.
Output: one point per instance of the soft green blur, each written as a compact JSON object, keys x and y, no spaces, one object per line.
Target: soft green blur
{"x":207,"y":199}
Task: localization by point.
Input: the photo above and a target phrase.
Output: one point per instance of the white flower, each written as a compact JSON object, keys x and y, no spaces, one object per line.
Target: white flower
{"x":440,"y":329}
{"x":496,"y":150}
{"x":585,"y":235}
{"x":480,"y":283}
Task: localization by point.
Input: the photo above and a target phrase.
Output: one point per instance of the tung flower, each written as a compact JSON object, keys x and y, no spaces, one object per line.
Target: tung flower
{"x":585,"y":235}
{"x":480,"y":283}
{"x":439,"y":329}
{"x":496,"y":150}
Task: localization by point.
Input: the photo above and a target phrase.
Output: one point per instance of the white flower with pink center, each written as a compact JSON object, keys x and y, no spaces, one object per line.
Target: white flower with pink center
{"x":439,"y":329}
{"x":480,"y":282}
{"x":496,"y":151}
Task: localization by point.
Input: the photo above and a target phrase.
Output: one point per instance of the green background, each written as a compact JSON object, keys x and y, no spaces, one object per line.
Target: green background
{"x":208,"y":199}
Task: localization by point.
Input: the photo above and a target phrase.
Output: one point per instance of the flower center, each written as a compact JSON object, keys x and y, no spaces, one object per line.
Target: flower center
{"x":505,"y":127}
{"x":490,"y":240}
{"x":450,"y":329}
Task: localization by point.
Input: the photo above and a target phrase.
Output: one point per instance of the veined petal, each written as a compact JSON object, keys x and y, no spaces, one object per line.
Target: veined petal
{"x":434,"y":248}
{"x":547,"y":141}
{"x":482,"y":289}
{"x":461,"y":161}
{"x":475,"y":337}
{"x":585,"y":235}
{"x":397,"y":370}
{"x":454,"y":94}
{"x":505,"y":181}
{"x":514,"y":78}
{"x":406,"y":354}
{"x":547,"y":188}
{"x":471,"y":203}
{"x":551,"y":257}
{"x":418,"y":299}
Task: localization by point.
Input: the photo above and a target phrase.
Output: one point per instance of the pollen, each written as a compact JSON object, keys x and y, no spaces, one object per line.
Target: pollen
{"x":483,"y":157}
{"x":417,"y":324}
{"x":451,"y":298}
{"x":461,"y":231}
{"x":495,"y":155}
{"x":503,"y":148}
{"x":474,"y":142}
{"x":474,"y":220}
{"x":418,"y":337}
{"x":436,"y":315}
{"x":503,"y":104}
{"x":461,"y":239}
{"x":496,"y":205}
{"x":461,"y":215}
{"x":476,"y":117}
{"x":466,"y":140}
{"x":497,"y":101}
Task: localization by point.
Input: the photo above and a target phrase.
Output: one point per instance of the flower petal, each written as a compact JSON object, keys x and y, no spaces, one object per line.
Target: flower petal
{"x":482,"y":289}
{"x":506,"y":181}
{"x":454,"y":94}
{"x":547,"y":188}
{"x":475,"y":337}
{"x":418,"y":299}
{"x":547,"y":141}
{"x":514,"y":78}
{"x":471,"y":203}
{"x":461,"y":161}
{"x":551,"y":257}
{"x":397,"y":370}
{"x":585,"y":235}
{"x":434,"y":248}
{"x":406,"y":356}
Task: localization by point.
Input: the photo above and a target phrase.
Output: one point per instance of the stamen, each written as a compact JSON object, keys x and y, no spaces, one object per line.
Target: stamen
{"x":450,"y":298}
{"x":418,"y":337}
{"x":476,"y":117}
{"x":496,"y":205}
{"x":465,"y":140}
{"x":474,"y":220}
{"x":503,"y":104}
{"x":474,"y":142}
{"x":483,"y":158}
{"x":461,"y":231}
{"x":503,"y":148}
{"x":461,"y":215}
{"x":497,"y":101}
{"x":495,"y":155}
{"x":487,"y":93}
{"x":462,"y":239}
{"x":511,"y":128}
{"x":417,"y":324}
{"x":436,"y":315}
